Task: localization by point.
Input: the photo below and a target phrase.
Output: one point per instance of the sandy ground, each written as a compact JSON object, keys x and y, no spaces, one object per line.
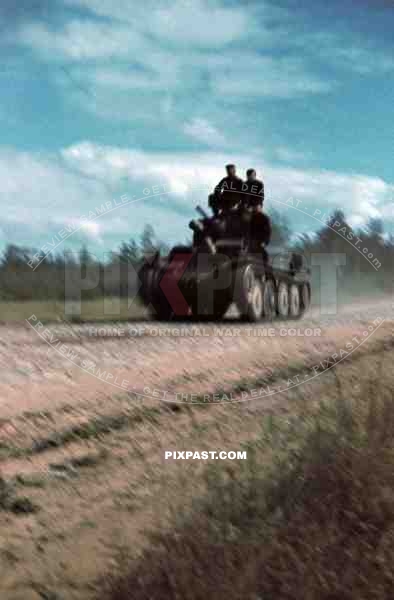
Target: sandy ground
{"x":35,"y":375}
{"x":87,"y":449}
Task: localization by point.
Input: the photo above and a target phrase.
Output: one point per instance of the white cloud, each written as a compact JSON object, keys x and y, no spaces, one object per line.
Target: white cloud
{"x":198,"y":23}
{"x":361,"y":60}
{"x":345,"y":51}
{"x":31,"y":184}
{"x":148,"y":36}
{"x":57,"y":189}
{"x":160,"y":72}
{"x":361,"y":196}
{"x":126,"y":79}
{"x":172,"y":46}
{"x":43,"y":194}
{"x":289,"y":155}
{"x":92,"y":229}
{"x":251,"y":75}
{"x":81,"y":40}
{"x":203,"y":131}
{"x":181,"y":22}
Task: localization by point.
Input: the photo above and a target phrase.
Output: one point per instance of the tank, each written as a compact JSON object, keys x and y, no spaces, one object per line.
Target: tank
{"x":225,"y":265}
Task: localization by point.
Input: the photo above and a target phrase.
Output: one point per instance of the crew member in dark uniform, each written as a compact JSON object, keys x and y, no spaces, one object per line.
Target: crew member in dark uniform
{"x":260,"y":224}
{"x":228,"y":192}
{"x":253,"y":189}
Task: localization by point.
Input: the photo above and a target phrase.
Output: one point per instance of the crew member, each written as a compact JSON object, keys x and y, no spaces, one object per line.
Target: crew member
{"x":228,"y":192}
{"x":253,"y":189}
{"x":260,"y":224}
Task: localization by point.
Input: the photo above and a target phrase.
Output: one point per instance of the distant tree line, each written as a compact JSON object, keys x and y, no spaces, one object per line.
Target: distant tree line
{"x":28,"y":274}
{"x":368,"y":253}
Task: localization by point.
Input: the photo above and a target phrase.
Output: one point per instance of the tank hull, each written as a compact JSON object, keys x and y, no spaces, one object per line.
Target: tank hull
{"x":191,"y":283}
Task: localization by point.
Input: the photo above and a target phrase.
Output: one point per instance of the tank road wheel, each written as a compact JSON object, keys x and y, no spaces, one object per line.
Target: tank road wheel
{"x":305,"y":296}
{"x":283,"y":301}
{"x":249,"y":295}
{"x":255,"y":305}
{"x":294,"y":301}
{"x":269,"y":300}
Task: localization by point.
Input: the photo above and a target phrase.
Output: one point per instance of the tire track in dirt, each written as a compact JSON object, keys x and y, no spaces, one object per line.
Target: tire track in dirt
{"x":110,"y":482}
{"x":89,"y":517}
{"x":33,"y":377}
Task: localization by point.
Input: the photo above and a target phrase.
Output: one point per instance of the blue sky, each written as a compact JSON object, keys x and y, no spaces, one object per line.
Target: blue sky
{"x":102,"y":98}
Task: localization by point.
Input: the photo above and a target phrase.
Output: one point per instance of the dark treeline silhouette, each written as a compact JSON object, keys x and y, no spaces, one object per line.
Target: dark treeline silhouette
{"x":367,"y":253}
{"x":29,"y":274}
{"x":367,"y":257}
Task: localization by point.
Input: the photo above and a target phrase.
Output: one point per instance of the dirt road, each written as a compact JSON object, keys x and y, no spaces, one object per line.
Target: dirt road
{"x":44,"y":367}
{"x":82,"y":452}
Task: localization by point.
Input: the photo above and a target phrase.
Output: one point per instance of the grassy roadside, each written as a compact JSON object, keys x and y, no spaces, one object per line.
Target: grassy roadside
{"x":315,"y":521}
{"x":115,"y":309}
{"x":54,"y":311}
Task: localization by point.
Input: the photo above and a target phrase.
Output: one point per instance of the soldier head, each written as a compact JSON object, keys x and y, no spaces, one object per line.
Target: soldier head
{"x":231,"y":170}
{"x":251,"y":175}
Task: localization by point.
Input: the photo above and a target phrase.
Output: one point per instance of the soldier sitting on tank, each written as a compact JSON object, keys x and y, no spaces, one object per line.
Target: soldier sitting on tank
{"x":253,"y":190}
{"x":227,"y":194}
{"x":260,"y":224}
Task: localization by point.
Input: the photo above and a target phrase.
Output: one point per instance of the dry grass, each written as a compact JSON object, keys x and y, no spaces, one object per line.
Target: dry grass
{"x":92,"y":467}
{"x":319,"y":523}
{"x":54,"y":310}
